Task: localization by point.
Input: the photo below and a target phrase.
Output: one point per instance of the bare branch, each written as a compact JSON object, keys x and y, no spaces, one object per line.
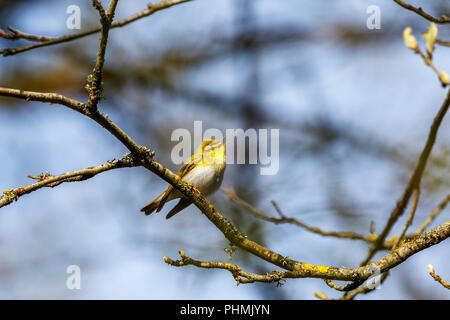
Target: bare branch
{"x":98,"y":117}
{"x":46,"y":97}
{"x":419,"y":11}
{"x":443,"y":43}
{"x":438,"y":278}
{"x":47,"y":180}
{"x":94,"y":81}
{"x":322,"y":296}
{"x":410,"y":218}
{"x":303,"y":270}
{"x":334,"y":286}
{"x":432,"y":216}
{"x":284,"y":219}
{"x":103,"y":15}
{"x":238,"y":274}
{"x":351,"y":293}
{"x":16,"y":34}
{"x":152,"y":8}
{"x":363,"y":289}
{"x":414,"y":181}
{"x":429,"y":62}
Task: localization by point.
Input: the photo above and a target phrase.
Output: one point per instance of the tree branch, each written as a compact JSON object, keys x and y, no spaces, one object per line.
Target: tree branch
{"x":431,"y":217}
{"x":94,"y":81}
{"x":48,"y":180}
{"x":410,"y":218}
{"x":419,"y":11}
{"x":16,"y":34}
{"x":303,"y":270}
{"x":443,"y":43}
{"x":444,"y":283}
{"x":151,"y":8}
{"x":414,"y":181}
{"x":363,"y":289}
{"x":284,"y":219}
{"x":238,"y":274}
{"x":46,"y":97}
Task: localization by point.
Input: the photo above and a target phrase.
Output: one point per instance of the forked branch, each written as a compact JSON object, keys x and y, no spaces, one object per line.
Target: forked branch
{"x":151,"y":9}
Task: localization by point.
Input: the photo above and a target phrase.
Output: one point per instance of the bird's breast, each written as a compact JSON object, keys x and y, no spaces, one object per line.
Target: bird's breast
{"x":205,"y":179}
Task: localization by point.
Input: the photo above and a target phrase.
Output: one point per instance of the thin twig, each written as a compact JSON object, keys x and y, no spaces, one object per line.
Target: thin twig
{"x":46,"y":97}
{"x":16,"y":35}
{"x":443,"y":43}
{"x":363,"y":289}
{"x":444,"y":283}
{"x":303,"y":270}
{"x":47,"y":180}
{"x":238,"y":274}
{"x":152,"y":8}
{"x":419,"y":11}
{"x":431,"y":217}
{"x":410,"y":218}
{"x":414,"y":181}
{"x":429,"y":62}
{"x":94,"y":84}
{"x":284,"y":219}
{"x":322,"y":296}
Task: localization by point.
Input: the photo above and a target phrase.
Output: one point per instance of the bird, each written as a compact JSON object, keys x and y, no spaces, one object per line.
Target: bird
{"x":204,"y":170}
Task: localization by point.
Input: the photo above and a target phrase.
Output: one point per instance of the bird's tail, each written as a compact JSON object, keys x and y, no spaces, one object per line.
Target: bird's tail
{"x":183,"y":203}
{"x":156,"y":204}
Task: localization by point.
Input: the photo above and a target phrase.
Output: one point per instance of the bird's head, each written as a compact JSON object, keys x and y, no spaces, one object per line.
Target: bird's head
{"x":213,"y":151}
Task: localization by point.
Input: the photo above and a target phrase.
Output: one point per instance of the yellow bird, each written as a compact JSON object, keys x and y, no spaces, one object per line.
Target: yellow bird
{"x":204,"y":170}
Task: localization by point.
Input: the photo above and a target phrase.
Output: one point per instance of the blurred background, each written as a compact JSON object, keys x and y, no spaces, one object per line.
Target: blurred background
{"x":353,"y":107}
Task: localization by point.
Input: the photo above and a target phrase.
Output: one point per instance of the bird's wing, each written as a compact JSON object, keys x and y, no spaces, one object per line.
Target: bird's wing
{"x":183,"y":203}
{"x":190,"y":164}
{"x":184,"y":170}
